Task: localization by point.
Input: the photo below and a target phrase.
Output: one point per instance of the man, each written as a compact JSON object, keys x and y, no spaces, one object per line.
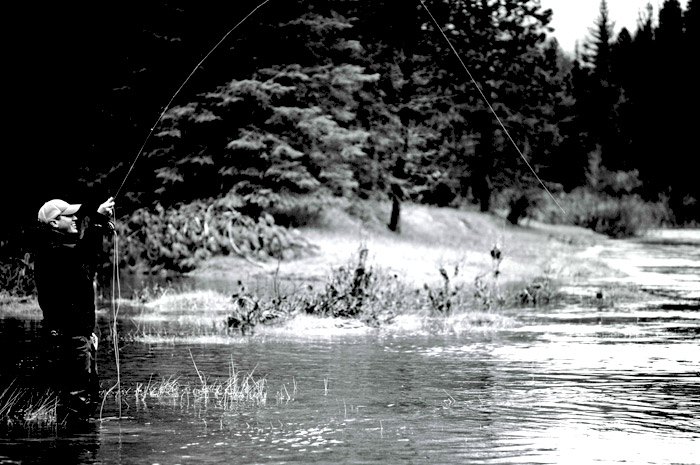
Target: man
{"x":70,"y":246}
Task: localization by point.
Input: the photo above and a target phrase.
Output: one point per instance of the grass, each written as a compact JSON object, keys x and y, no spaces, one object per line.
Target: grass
{"x":25,"y":409}
{"x":12,"y":306}
{"x":225,"y":394}
{"x":430,"y":238}
{"x":348,"y":302}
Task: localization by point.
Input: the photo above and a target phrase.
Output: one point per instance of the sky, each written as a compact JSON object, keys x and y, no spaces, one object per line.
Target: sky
{"x":572,"y":19}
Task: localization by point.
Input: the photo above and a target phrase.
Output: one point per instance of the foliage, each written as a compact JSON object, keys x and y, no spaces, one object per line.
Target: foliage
{"x":179,"y":238}
{"x":17,"y":276}
{"x":353,"y":291}
{"x":538,"y":292}
{"x":616,"y":216}
{"x":251,"y":310}
{"x":487,"y":293}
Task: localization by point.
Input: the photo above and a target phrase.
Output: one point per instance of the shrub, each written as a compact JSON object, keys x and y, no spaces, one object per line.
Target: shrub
{"x":17,"y":275}
{"x":295,"y":212}
{"x":180,"y":238}
{"x":353,"y":291}
{"x":625,"y":216}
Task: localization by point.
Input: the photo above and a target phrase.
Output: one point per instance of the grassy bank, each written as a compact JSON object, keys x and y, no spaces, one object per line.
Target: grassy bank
{"x":431,"y":238}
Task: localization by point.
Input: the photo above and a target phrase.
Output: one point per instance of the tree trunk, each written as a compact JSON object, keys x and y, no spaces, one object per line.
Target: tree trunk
{"x":482,"y":191}
{"x":395,"y":221}
{"x":483,"y":165}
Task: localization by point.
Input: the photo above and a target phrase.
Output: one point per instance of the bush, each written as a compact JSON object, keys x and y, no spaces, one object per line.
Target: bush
{"x":180,"y":238}
{"x":354,"y":291}
{"x":17,"y":275}
{"x":625,"y":216}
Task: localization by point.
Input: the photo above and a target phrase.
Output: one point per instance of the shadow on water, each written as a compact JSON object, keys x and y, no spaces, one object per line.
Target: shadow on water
{"x":571,"y":384}
{"x":75,"y":445}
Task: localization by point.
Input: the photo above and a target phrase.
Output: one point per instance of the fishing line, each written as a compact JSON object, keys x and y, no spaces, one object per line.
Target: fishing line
{"x":116,"y":298}
{"x":116,"y":287}
{"x":486,"y":100}
{"x":167,"y":107}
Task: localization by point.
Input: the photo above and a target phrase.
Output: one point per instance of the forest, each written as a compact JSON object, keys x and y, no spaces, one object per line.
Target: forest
{"x":305,"y":104}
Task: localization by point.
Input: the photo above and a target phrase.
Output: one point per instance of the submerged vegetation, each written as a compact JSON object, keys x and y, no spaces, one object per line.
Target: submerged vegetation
{"x":225,"y":394}
{"x":26,"y":409}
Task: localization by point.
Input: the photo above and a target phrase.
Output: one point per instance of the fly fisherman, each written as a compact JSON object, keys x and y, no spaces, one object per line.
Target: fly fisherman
{"x":69,"y":248}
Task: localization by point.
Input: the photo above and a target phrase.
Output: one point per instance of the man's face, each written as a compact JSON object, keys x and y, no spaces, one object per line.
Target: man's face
{"x":66,"y":223}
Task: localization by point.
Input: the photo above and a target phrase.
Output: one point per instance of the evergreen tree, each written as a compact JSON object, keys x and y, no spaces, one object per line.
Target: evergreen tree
{"x":691,"y":37}
{"x":674,"y":142}
{"x":502,"y":44}
{"x":599,"y":48}
{"x":287,"y":131}
{"x":598,"y":96}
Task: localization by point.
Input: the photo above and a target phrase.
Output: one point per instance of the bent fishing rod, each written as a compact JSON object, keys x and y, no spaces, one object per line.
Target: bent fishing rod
{"x":115,"y":268}
{"x":177,"y":92}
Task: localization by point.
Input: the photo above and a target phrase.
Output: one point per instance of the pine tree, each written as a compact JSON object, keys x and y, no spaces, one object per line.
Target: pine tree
{"x":597,"y":95}
{"x":673,"y":133}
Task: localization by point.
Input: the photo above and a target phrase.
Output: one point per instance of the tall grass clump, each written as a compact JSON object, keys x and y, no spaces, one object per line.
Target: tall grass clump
{"x":25,"y":409}
{"x":226,"y":394}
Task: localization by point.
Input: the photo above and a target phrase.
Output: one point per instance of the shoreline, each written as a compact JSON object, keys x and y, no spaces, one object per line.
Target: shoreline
{"x":431,"y":238}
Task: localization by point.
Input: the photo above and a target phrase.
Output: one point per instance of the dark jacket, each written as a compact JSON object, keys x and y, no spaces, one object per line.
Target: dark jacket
{"x":64,"y":267}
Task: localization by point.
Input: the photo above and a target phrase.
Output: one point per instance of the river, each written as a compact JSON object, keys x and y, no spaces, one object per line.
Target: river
{"x":569,"y":384}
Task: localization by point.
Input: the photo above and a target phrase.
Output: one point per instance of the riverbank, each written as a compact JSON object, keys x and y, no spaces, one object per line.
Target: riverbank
{"x":431,"y":238}
{"x":445,"y":262}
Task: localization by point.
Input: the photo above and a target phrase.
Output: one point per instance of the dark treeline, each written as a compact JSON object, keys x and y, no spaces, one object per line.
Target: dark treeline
{"x":309,"y":101}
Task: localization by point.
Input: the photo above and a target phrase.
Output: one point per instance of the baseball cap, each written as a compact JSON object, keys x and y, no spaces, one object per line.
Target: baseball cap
{"x":56,"y":207}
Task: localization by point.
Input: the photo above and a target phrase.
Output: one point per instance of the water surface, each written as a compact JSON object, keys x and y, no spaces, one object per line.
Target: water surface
{"x":574,"y":384}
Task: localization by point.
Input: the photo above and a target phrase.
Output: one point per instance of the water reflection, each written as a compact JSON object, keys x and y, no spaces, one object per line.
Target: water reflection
{"x":78,"y":445}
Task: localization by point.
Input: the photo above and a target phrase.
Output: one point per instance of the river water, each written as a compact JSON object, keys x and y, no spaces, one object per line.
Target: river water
{"x":574,"y":384}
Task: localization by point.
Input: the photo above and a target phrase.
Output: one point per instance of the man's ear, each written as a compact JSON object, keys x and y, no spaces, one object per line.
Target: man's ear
{"x":54,"y":223}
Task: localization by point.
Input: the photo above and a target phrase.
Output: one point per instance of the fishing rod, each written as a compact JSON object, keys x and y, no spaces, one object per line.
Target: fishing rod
{"x":488,"y":104}
{"x":115,"y":268}
{"x":177,"y":92}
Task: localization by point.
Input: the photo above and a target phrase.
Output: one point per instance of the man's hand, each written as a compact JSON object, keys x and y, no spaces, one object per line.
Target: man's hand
{"x":107,"y":208}
{"x":94,"y":340}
